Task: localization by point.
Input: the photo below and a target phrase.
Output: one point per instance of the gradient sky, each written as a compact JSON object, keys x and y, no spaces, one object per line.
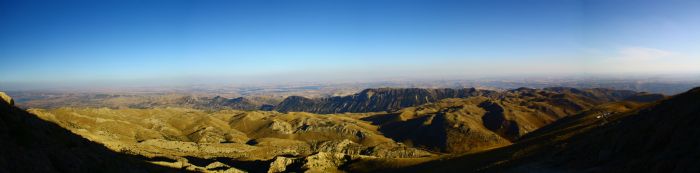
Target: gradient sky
{"x":87,"y":42}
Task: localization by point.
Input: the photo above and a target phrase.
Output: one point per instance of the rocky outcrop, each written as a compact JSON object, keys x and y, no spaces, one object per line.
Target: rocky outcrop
{"x":325,"y":162}
{"x":7,"y":98}
{"x":280,"y":164}
{"x":376,"y":100}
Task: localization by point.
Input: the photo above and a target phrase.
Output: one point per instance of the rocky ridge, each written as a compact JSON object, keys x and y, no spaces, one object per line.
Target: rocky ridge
{"x":376,"y":100}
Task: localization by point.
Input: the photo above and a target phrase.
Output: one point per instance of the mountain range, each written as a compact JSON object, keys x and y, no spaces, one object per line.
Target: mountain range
{"x":554,"y":129}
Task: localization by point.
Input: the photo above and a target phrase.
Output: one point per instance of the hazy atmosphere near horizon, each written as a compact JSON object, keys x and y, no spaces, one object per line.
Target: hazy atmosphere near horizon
{"x":103,"y":43}
{"x":350,"y":86}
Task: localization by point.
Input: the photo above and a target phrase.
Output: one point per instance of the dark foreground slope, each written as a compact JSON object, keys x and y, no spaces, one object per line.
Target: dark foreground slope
{"x":29,"y":144}
{"x":661,"y":137}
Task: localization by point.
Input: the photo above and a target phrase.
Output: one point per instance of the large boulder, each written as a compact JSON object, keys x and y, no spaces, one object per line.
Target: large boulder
{"x":280,"y":164}
{"x":7,"y":98}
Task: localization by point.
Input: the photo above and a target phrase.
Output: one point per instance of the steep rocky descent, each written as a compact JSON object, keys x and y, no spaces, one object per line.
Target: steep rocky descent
{"x":613,"y":137}
{"x":478,"y":123}
{"x":376,"y":100}
{"x":29,"y":144}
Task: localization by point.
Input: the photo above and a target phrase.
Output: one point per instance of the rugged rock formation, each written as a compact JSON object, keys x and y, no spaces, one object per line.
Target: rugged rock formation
{"x":393,"y":99}
{"x":281,"y":164}
{"x":376,"y":100}
{"x":7,"y":98}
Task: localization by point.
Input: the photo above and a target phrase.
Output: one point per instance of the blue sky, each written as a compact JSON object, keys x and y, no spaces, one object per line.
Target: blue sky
{"x":82,"y":42}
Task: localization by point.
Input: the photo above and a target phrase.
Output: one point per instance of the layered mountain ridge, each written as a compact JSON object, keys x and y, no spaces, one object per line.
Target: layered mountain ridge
{"x":612,"y":137}
{"x":388,"y":132}
{"x":393,"y":99}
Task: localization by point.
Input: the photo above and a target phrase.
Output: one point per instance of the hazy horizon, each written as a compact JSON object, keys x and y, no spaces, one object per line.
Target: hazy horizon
{"x":137,"y":43}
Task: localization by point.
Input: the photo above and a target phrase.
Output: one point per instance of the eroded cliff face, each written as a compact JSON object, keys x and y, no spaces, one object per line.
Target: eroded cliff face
{"x":393,"y":99}
{"x":376,"y":100}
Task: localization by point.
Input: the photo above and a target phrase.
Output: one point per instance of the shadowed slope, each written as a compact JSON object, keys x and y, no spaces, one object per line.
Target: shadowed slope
{"x":29,"y":144}
{"x":376,"y":100}
{"x":661,"y":137}
{"x":476,"y":123}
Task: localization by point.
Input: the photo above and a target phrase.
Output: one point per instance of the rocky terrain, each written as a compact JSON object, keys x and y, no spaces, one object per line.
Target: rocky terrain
{"x":477,"y":123}
{"x":375,"y":100}
{"x":392,"y":99}
{"x":30,"y":144}
{"x":447,"y":123}
{"x":193,"y":139}
{"x":613,"y":137}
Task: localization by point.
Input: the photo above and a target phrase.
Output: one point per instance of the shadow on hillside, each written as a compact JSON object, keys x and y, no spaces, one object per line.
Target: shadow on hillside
{"x":30,"y":144}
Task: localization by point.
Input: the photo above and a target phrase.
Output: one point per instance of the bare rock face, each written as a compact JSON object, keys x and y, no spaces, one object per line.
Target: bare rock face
{"x":376,"y":100}
{"x":7,"y":98}
{"x":281,"y":127}
{"x":280,"y":164}
{"x":325,"y":162}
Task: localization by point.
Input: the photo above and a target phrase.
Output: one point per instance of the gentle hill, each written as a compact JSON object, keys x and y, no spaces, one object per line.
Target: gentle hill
{"x":88,"y":100}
